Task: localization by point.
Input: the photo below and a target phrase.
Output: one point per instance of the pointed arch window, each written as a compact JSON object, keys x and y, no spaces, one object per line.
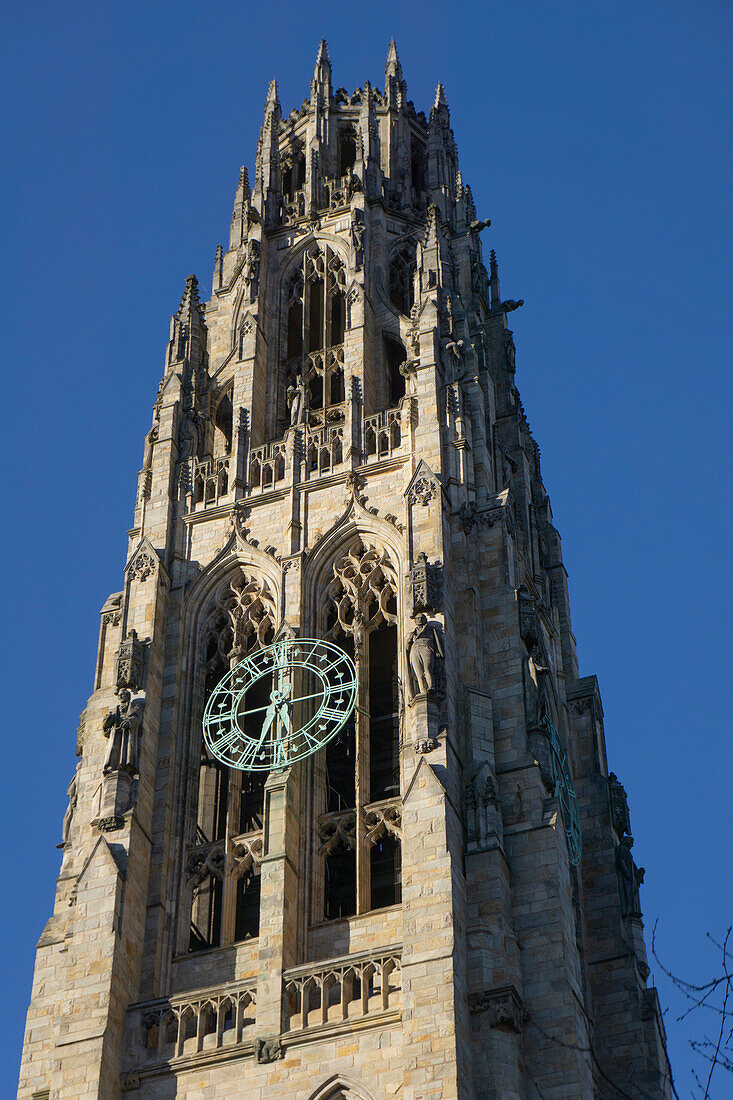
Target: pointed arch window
{"x":402,"y":279}
{"x":314,"y":326}
{"x":361,"y":779}
{"x":224,"y":854}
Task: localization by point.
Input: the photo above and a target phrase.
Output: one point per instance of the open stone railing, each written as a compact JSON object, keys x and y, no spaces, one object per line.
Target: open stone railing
{"x":348,"y":988}
{"x":267,"y":464}
{"x":209,"y":480}
{"x":382,"y":434}
{"x":214,"y":1019}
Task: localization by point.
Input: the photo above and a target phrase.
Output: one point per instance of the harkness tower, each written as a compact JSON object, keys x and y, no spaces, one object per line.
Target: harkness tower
{"x":435,"y":898}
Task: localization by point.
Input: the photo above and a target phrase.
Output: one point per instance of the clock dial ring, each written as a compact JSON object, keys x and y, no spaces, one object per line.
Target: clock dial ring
{"x":290,"y":721}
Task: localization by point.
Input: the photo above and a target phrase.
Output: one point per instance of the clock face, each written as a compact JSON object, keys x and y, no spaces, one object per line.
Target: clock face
{"x":280,"y":704}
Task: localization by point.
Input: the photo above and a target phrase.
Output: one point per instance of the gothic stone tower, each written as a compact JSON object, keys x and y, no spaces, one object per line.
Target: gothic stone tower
{"x":441,"y":903}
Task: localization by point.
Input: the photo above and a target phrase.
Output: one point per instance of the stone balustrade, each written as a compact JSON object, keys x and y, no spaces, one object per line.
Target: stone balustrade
{"x":213,"y":1019}
{"x":209,"y":480}
{"x":348,"y":988}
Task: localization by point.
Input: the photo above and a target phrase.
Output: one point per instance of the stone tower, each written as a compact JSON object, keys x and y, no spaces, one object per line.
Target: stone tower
{"x":442,"y":902}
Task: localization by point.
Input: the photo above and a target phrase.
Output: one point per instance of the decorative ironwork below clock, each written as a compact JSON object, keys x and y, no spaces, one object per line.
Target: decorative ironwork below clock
{"x":566,"y":793}
{"x":280,"y":704}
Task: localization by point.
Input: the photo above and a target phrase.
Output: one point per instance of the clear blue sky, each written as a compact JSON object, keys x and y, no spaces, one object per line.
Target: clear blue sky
{"x":597,"y":137}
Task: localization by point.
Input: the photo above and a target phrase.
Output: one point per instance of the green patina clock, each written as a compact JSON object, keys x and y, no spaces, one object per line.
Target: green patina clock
{"x":281,"y":704}
{"x":566,"y":793}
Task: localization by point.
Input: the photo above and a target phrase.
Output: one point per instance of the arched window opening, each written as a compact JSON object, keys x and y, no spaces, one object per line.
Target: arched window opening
{"x":314,"y":328}
{"x":386,"y":872}
{"x":338,"y":318}
{"x":347,"y":149}
{"x":360,"y":614}
{"x":223,"y":423}
{"x":206,"y":914}
{"x":395,"y":354}
{"x":402,"y":281}
{"x":417,"y":157}
{"x":247,"y":913}
{"x":295,"y":322}
{"x":315,"y":315}
{"x":287,"y":180}
{"x":336,"y":386}
{"x":299,"y":172}
{"x":384,"y":762}
{"x":223,"y":882}
{"x":340,"y":884}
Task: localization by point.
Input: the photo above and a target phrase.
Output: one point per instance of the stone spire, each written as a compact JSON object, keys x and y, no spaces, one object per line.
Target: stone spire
{"x":395,"y":88}
{"x":188,"y":331}
{"x":267,"y":183}
{"x":242,"y":210}
{"x":494,"y":281}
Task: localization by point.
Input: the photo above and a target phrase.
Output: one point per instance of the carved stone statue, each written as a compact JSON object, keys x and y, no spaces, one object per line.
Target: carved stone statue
{"x":122,"y":726}
{"x":536,"y":689}
{"x":630,"y":878}
{"x":73,"y":793}
{"x":424,"y":647}
{"x":296,"y":400}
{"x":510,"y":350}
{"x":267,"y":1050}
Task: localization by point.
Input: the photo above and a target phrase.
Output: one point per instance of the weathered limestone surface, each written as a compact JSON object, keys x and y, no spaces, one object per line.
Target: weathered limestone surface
{"x":449,"y":909}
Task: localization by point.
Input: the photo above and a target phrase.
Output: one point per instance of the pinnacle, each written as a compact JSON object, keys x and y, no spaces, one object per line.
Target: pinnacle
{"x":190,"y":294}
{"x":271,"y":94}
{"x":323,"y":54}
{"x":392,"y":55}
{"x":440,"y":100}
{"x":243,"y":177}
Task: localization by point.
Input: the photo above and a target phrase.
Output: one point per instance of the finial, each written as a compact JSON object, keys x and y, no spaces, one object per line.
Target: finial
{"x":271,"y":94}
{"x":440,"y":100}
{"x":323,"y":54}
{"x":190,"y":294}
{"x":493,"y":265}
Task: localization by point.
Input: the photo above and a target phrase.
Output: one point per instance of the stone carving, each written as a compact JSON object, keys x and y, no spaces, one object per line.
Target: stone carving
{"x":482,"y":807}
{"x":382,"y":820}
{"x":538,"y":692}
{"x":142,"y":566}
{"x":247,"y":852}
{"x":357,"y":237}
{"x":630,"y":877}
{"x":81,"y":732}
{"x":267,"y":1050}
{"x":424,"y":652}
{"x":425,"y":583}
{"x":187,"y":438}
{"x":510,"y":351}
{"x":471,"y":517}
{"x":73,"y":794}
{"x":422,"y":491}
{"x":295,"y":396}
{"x":251,"y":269}
{"x":620,"y":817}
{"x":337,"y":830}
{"x":111,"y":618}
{"x":207,"y":860}
{"x":238,"y":519}
{"x":243,"y":615}
{"x":130,"y":663}
{"x":363,"y":592}
{"x":425,"y":744}
{"x":503,"y":1005}
{"x":130,"y":1081}
{"x":122,"y":726}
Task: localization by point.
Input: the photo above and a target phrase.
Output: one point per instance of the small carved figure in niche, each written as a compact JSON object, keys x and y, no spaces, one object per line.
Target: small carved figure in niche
{"x":357,"y":237}
{"x":122,"y":726}
{"x":620,"y":818}
{"x":186,"y":438}
{"x":510,"y":350}
{"x":73,"y":794}
{"x":424,"y":647}
{"x":630,"y":878}
{"x":267,"y":1050}
{"x":538,"y":673}
{"x":295,"y":395}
